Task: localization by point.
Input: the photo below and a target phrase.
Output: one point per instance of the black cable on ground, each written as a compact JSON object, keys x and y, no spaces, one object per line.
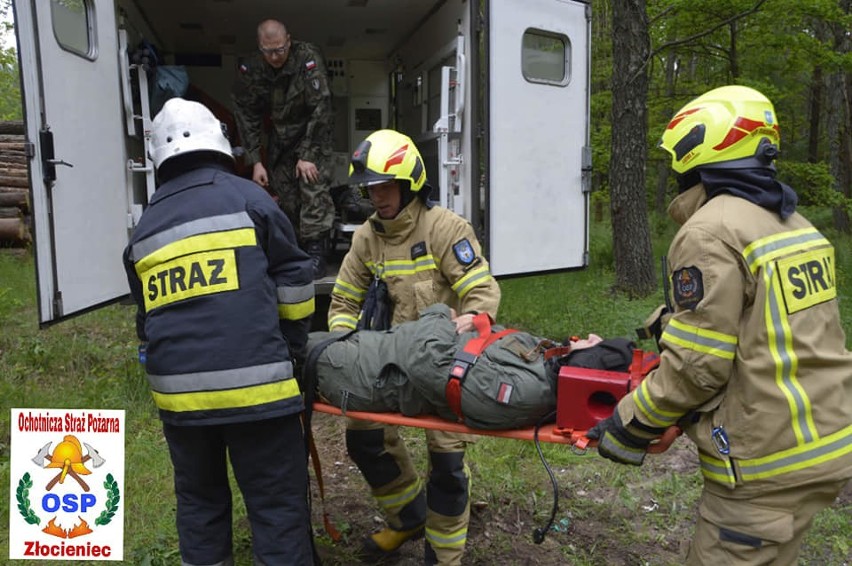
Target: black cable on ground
{"x":541,"y":532}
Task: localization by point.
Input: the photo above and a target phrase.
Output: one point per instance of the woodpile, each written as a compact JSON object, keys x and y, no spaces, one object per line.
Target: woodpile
{"x":15,"y":213}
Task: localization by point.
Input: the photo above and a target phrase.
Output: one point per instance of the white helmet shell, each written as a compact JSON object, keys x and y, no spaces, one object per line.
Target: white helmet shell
{"x":184,"y":126}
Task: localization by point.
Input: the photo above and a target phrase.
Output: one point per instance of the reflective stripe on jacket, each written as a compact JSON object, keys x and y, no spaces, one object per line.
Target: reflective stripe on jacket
{"x":424,"y":258}
{"x":756,"y":359}
{"x":224,"y":295}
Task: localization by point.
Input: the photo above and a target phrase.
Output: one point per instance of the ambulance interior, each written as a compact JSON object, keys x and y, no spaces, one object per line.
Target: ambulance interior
{"x":385,"y":58}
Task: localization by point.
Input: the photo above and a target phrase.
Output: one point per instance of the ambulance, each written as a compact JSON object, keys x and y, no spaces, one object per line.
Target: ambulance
{"x":494,"y":92}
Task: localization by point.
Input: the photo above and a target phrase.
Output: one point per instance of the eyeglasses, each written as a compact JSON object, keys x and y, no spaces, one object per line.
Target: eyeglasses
{"x":275,"y":50}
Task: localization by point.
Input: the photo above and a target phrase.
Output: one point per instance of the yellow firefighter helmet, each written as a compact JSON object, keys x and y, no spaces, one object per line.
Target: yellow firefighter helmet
{"x":731,"y":127}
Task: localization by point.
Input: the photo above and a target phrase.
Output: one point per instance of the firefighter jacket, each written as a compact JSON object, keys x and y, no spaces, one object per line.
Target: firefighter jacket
{"x":297,"y":99}
{"x":425,"y":255}
{"x":224,"y":297}
{"x":753,"y":361}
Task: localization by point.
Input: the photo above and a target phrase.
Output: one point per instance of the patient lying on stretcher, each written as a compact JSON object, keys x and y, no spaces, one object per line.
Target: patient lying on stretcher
{"x":411,"y":368}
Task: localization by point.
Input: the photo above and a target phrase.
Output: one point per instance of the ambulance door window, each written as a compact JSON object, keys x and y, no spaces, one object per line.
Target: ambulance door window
{"x":545,"y":57}
{"x":72,"y":26}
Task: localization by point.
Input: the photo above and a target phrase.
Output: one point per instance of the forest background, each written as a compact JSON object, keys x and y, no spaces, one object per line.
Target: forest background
{"x":648,"y":59}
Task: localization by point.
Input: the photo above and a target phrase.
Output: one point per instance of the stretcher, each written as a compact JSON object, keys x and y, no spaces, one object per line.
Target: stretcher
{"x":584,"y":398}
{"x":550,"y":433}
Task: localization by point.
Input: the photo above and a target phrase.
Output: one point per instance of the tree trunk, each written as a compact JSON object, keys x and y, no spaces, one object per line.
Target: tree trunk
{"x":631,"y":233}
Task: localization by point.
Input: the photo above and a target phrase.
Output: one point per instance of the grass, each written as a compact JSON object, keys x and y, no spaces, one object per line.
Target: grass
{"x":90,"y":361}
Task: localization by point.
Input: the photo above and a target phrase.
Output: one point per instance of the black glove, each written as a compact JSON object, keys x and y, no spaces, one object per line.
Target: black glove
{"x":616,"y":443}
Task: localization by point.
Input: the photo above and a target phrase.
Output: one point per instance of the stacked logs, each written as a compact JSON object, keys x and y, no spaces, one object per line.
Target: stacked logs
{"x":14,"y":186}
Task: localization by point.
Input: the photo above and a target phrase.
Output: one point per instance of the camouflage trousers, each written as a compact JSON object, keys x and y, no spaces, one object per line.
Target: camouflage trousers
{"x":308,"y":206}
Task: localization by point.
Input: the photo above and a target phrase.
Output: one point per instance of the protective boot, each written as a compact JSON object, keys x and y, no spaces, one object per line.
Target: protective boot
{"x":318,"y":250}
{"x":380,"y":454}
{"x":387,"y":541}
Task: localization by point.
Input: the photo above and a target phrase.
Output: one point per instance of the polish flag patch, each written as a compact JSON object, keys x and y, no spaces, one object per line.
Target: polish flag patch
{"x":504,"y":393}
{"x":310,"y":65}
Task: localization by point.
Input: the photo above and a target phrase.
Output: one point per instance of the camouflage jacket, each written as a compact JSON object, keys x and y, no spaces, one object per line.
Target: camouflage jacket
{"x":297,"y":98}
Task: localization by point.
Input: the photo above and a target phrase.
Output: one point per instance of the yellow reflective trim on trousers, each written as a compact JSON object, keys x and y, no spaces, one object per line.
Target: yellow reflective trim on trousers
{"x":717,"y":470}
{"x":825,"y":449}
{"x":229,"y":398}
{"x":764,"y":250}
{"x":786,"y":360}
{"x":297,"y":311}
{"x":649,"y":409}
{"x":701,"y":340}
{"x":454,"y":539}
{"x":348,"y":290}
{"x":342,"y":320}
{"x":195,"y":244}
{"x":400,"y":499}
{"x":463,"y":286}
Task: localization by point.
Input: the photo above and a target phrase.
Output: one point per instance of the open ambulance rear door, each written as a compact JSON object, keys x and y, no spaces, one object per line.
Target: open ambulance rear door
{"x":537,"y":158}
{"x":69,"y":65}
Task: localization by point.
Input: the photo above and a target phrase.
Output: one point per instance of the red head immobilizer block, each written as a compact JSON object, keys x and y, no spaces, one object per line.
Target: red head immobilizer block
{"x":588,"y":396}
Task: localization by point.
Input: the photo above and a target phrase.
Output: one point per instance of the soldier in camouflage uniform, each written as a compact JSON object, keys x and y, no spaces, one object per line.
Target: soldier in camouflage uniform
{"x":288,"y":80}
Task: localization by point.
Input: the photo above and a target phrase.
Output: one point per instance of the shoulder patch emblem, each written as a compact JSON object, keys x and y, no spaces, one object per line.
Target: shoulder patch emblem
{"x":464,"y":252}
{"x":316,"y":84}
{"x":310,"y":65}
{"x":244,"y":68}
{"x":688,"y":287}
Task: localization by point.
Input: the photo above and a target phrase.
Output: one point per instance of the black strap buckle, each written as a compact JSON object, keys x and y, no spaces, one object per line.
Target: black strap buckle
{"x":461,"y":365}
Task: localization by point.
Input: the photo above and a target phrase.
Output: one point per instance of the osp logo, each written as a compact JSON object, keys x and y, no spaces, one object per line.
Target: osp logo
{"x":68,"y":500}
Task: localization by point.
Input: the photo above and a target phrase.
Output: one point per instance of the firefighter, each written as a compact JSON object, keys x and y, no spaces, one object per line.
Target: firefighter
{"x":753,"y":363}
{"x":224,"y":299}
{"x":288,"y":80}
{"x":425,"y":254}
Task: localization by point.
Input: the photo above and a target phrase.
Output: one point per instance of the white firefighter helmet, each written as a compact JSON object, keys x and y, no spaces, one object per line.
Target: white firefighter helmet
{"x":184,"y":126}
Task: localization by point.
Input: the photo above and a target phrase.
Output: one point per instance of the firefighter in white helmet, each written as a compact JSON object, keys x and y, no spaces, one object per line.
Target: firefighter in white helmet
{"x":224,"y":298}
{"x":753,"y":360}
{"x":425,"y":255}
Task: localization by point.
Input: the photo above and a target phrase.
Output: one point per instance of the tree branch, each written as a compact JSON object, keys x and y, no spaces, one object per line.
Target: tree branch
{"x":708,"y":31}
{"x":696,"y":36}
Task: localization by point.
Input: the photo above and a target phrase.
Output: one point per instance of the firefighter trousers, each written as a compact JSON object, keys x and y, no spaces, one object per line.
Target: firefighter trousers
{"x":443,"y":507}
{"x":270,"y":466}
{"x":764,"y":530}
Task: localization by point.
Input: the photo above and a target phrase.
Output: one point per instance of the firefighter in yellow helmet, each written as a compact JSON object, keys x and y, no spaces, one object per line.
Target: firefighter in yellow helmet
{"x":424,"y":254}
{"x":753,"y":363}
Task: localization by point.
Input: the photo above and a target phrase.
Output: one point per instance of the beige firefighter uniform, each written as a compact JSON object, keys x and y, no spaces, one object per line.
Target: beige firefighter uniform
{"x":754,"y":368}
{"x":426,"y":256}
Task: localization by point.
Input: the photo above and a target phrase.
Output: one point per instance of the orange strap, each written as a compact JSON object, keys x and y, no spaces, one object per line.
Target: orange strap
{"x":467,"y":356}
{"x":333,"y":533}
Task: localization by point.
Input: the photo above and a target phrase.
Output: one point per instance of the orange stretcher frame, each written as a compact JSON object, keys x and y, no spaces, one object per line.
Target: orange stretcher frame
{"x":547,"y":433}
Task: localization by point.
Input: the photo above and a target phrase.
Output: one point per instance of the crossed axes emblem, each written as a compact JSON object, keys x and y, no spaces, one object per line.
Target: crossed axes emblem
{"x":68,"y":456}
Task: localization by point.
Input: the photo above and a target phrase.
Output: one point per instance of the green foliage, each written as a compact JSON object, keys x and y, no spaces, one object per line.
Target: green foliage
{"x":701,"y":44}
{"x":814,"y":184}
{"x":10,"y":85}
